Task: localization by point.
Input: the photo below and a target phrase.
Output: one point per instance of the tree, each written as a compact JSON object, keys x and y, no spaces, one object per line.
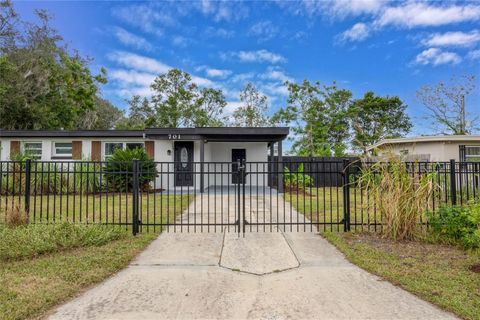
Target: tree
{"x":319,"y":115}
{"x":43,"y":85}
{"x":139,"y":112}
{"x":252,"y":111}
{"x":104,"y":116}
{"x":178,"y":102}
{"x":445,"y":103}
{"x":375,"y":118}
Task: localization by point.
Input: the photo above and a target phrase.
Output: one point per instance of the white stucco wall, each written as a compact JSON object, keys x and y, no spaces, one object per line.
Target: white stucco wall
{"x":437,"y":151}
{"x":214,"y":152}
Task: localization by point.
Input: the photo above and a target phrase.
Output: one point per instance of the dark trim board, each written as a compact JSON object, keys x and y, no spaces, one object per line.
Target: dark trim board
{"x":263,"y":134}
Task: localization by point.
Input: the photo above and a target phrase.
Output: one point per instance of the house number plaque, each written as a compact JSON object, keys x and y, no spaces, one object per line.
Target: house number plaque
{"x":174,"y":137}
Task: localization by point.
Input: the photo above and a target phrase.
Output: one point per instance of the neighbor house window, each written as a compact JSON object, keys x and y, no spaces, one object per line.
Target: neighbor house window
{"x":472,"y":153}
{"x":33,"y":149}
{"x":110,"y":147}
{"x":62,"y":149}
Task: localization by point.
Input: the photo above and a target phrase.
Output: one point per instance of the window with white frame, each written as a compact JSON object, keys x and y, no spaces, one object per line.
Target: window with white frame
{"x":33,"y":149}
{"x":110,"y":147}
{"x":62,"y":150}
{"x":472,"y":153}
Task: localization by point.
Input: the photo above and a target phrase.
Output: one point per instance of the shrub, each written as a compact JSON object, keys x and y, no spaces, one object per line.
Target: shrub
{"x":400,"y":194}
{"x":85,"y":177}
{"x":457,"y":225}
{"x":296,"y":180}
{"x":34,"y":240}
{"x":119,"y":167}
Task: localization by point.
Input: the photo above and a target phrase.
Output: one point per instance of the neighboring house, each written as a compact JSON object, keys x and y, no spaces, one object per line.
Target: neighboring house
{"x":187,"y":147}
{"x":431,"y":148}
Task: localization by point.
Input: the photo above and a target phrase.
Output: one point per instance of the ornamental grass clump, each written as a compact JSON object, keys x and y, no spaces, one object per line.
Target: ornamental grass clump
{"x":400,"y":193}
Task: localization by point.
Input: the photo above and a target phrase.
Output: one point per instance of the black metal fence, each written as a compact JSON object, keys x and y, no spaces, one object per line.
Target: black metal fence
{"x":213,"y":196}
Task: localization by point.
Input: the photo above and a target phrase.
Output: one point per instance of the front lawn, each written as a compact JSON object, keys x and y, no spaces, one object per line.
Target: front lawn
{"x":42,"y":265}
{"x":31,"y":287}
{"x":443,"y":275}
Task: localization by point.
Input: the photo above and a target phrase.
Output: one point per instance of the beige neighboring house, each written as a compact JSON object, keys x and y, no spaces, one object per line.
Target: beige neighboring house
{"x":431,"y":148}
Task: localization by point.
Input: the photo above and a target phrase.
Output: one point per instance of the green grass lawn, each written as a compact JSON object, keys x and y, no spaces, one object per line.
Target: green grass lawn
{"x":104,"y":208}
{"x":49,"y":266}
{"x":437,"y":273}
{"x":31,"y":287}
{"x":325,"y":205}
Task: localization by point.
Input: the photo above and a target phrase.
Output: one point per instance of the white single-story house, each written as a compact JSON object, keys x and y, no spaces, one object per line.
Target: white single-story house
{"x":181,"y":153}
{"x":431,"y":148}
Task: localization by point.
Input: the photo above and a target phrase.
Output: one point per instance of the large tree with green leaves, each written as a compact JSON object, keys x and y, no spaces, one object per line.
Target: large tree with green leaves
{"x":103,"y":116}
{"x":375,"y":118}
{"x":43,"y":84}
{"x":139,"y":111}
{"x":178,"y":102}
{"x":251,"y":112}
{"x":319,"y":118}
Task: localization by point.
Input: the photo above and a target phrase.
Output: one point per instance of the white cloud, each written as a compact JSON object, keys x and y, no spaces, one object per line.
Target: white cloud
{"x":181,"y":41}
{"x":263,"y":30}
{"x":436,"y":56}
{"x":138,"y":72}
{"x":275,"y":74}
{"x":219,"y":32}
{"x":255,"y":56}
{"x":458,"y":39}
{"x":334,"y":9}
{"x":358,"y":32}
{"x":138,"y":62}
{"x":132,"y":40}
{"x":215,"y":73}
{"x":132,"y":77}
{"x":221,"y":10}
{"x":423,"y":14}
{"x":474,"y":55}
{"x":146,"y":17}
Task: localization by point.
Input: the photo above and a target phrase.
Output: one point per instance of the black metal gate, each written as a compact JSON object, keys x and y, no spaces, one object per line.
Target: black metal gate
{"x":237,"y":197}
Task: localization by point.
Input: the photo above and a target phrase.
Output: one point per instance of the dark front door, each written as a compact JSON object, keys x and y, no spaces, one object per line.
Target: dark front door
{"x":183,"y":158}
{"x":237,"y":154}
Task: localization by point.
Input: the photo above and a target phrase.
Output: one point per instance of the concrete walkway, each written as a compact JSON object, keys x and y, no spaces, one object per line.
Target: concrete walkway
{"x":271,"y":275}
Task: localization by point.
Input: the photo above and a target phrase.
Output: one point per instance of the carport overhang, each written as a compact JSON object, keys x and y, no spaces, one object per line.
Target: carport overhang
{"x":270,"y":135}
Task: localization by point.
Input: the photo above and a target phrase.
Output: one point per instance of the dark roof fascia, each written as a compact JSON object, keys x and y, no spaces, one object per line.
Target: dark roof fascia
{"x":219,"y":134}
{"x":72,"y":133}
{"x":225,"y":132}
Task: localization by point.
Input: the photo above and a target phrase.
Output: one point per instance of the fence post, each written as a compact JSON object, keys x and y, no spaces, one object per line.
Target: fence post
{"x":135,"y":198}
{"x":28,"y":170}
{"x":453,"y":182}
{"x":346,"y":195}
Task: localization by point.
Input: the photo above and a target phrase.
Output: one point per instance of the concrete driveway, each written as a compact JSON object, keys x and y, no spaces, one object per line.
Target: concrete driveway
{"x":260,"y":276}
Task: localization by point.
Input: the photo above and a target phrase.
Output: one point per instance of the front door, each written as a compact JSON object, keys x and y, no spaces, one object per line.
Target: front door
{"x":237,"y":154}
{"x":183,"y":158}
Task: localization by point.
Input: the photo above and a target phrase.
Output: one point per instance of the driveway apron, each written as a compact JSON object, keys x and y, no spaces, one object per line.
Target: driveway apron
{"x":261,"y":275}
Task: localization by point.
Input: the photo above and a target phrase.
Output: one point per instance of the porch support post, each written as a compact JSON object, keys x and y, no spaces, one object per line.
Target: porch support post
{"x":280,"y":167}
{"x":202,"y":159}
{"x":270,"y":165}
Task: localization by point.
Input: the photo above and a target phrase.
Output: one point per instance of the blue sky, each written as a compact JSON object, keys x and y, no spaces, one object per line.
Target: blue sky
{"x":391,"y":48}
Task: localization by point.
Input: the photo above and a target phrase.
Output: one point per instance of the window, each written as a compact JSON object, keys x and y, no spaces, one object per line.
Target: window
{"x":472,"y":153}
{"x":110,"y":147}
{"x":33,"y":149}
{"x":62,"y":149}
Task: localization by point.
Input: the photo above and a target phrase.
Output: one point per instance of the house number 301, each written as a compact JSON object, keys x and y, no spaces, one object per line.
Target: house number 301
{"x":173,"y":136}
